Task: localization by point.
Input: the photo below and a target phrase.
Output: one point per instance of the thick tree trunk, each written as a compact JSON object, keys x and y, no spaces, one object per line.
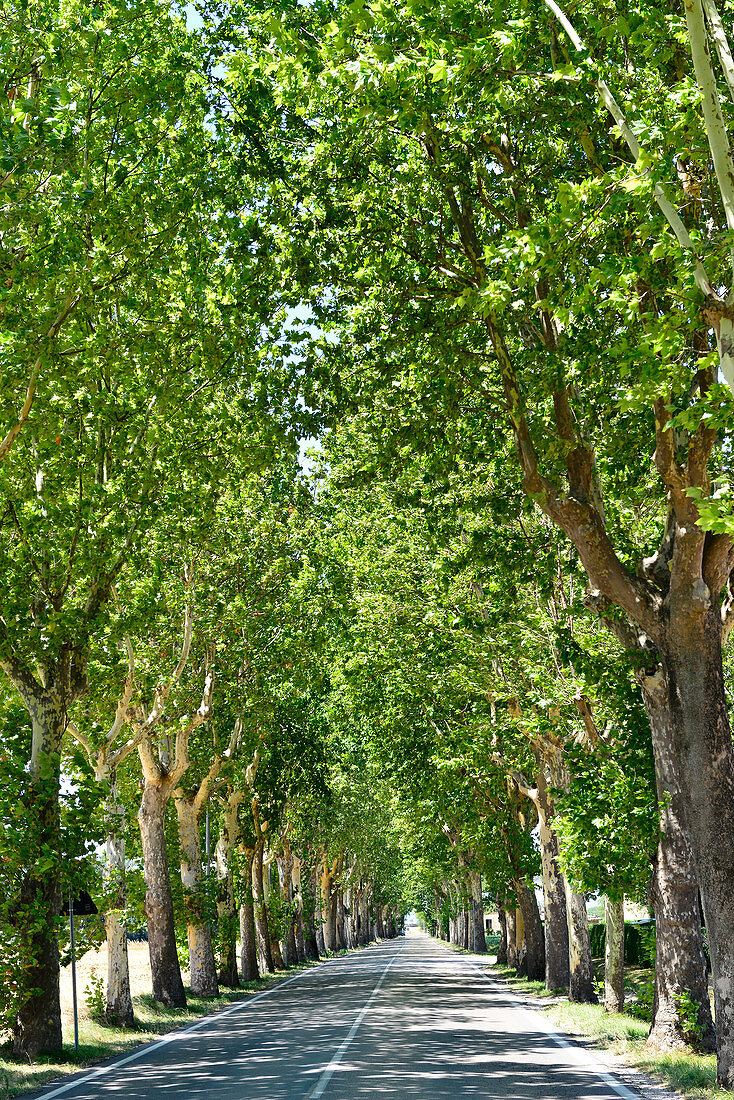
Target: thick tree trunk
{"x":119,"y":1008}
{"x":479,"y":944}
{"x":513,"y":954}
{"x":581,"y":985}
{"x":327,"y":909}
{"x":680,"y":963}
{"x":298,"y":910}
{"x":310,"y":938}
{"x":502,"y":949}
{"x":198,"y":929}
{"x":285,"y":874}
{"x":226,"y":901}
{"x":166,"y":971}
{"x":261,"y":912}
{"x":534,"y":936}
{"x":341,"y":941}
{"x":248,"y":933}
{"x":332,"y":921}
{"x":465,"y":925}
{"x":275,"y":951}
{"x":692,"y":663}
{"x":37,"y":1027}
{"x":364,"y":920}
{"x":614,"y":953}
{"x":557,"y":966}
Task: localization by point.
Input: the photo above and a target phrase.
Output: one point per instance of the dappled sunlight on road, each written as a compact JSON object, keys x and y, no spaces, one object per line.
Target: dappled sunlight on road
{"x":436,"y":1027}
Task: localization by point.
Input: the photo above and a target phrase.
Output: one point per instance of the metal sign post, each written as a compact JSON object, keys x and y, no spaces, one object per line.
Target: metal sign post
{"x":73,"y":971}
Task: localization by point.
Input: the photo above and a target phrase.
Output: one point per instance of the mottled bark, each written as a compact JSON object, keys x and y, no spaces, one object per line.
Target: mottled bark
{"x":275,"y":951}
{"x":310,"y":936}
{"x":248,"y":933}
{"x":581,"y":985}
{"x":198,"y":929}
{"x":229,"y":837}
{"x":479,"y":942}
{"x":513,"y":953}
{"x":37,"y":1027}
{"x":119,"y":1007}
{"x":165,"y":968}
{"x":502,"y":949}
{"x":680,"y":963}
{"x":341,"y":942}
{"x":557,"y":965}
{"x":534,"y":936}
{"x":285,"y":876}
{"x":614,"y":953}
{"x":298,"y":907}
{"x":261,"y":913}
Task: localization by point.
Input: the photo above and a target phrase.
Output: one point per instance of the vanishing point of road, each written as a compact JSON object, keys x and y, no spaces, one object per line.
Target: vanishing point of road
{"x":403,"y":1018}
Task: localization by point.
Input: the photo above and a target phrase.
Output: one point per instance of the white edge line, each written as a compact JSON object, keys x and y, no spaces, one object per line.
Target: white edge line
{"x":558,"y":1037}
{"x":180,"y":1032}
{"x":328,"y":1072}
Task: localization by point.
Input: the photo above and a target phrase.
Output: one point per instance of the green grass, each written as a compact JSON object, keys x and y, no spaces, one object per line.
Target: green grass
{"x":98,"y":1041}
{"x":624,"y":1036}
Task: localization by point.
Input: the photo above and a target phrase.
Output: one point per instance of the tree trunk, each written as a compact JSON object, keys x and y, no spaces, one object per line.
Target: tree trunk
{"x":327,"y":915}
{"x":166,"y":971}
{"x":502,"y":949}
{"x":119,"y":1009}
{"x":37,"y":1026}
{"x":364,"y":922}
{"x":534,"y":936}
{"x":581,"y":985}
{"x":614,"y":953}
{"x":680,"y":962}
{"x":692,"y":663}
{"x":332,"y":920}
{"x":341,"y":942}
{"x":513,"y":955}
{"x":198,"y":929}
{"x":310,"y":939}
{"x":285,"y":874}
{"x":557,"y":966}
{"x":466,"y":922}
{"x":226,"y":901}
{"x":272,"y":930}
{"x":479,"y":944}
{"x":261,"y":912}
{"x":248,"y":933}
{"x":298,"y":902}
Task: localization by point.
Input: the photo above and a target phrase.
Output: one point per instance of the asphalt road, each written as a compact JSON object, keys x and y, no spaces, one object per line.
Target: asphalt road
{"x":404,"y":1018}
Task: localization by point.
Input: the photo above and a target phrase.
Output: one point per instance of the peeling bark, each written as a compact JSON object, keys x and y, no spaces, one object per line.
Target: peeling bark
{"x":248,"y":934}
{"x":261,"y":913}
{"x":614,"y":953}
{"x":503,"y":947}
{"x":534,"y":936}
{"x":119,"y":1007}
{"x":480,"y":942}
{"x":166,"y":970}
{"x":581,"y":985}
{"x":680,"y":962}
{"x":198,"y":929}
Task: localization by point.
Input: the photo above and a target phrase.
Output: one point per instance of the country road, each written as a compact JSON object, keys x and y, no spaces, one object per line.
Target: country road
{"x":404,"y":1018}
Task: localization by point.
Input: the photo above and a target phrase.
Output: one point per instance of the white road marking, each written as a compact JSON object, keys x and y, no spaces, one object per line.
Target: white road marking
{"x":179,"y":1034}
{"x":323,"y":1081}
{"x":556,"y":1035}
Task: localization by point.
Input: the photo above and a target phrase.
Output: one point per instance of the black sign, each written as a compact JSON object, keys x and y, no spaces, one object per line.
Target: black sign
{"x":83,"y":905}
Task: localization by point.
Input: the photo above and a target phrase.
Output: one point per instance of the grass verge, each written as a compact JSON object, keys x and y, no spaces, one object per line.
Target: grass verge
{"x":624,"y":1036}
{"x":98,"y":1042}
